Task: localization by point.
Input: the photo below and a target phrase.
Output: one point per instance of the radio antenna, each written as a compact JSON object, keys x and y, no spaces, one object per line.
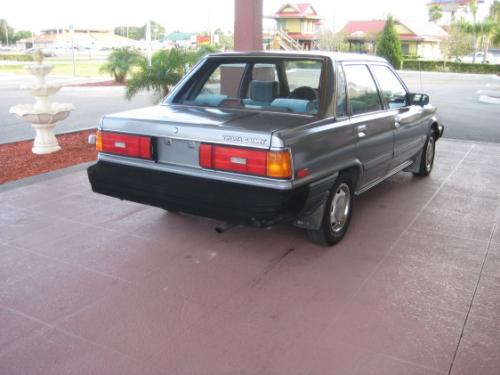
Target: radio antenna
{"x":420,"y":74}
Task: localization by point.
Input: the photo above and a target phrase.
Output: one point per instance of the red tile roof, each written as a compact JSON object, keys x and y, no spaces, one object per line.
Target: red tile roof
{"x":374,"y":26}
{"x":301,"y":11}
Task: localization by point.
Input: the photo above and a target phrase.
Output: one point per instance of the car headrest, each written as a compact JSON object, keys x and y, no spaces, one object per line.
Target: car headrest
{"x":263,"y":91}
{"x":295,"y":105}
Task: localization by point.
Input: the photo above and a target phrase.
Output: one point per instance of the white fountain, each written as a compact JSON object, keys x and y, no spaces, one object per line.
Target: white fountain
{"x":42,"y":115}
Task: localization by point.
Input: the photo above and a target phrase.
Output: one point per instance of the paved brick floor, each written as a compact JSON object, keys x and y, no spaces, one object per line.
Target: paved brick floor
{"x":92,"y":285}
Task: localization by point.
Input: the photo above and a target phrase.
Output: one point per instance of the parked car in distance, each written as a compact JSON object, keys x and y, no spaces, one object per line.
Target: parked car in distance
{"x":266,"y":138}
{"x":480,"y":58}
{"x":46,"y":52}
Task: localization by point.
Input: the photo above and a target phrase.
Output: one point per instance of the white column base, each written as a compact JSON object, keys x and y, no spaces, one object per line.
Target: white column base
{"x":45,"y":140}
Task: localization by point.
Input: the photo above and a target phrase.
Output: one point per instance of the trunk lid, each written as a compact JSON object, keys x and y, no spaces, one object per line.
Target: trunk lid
{"x":179,"y":130}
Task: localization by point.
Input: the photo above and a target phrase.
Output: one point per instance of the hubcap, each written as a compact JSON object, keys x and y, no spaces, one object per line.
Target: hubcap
{"x":341,"y":204}
{"x":429,"y":154}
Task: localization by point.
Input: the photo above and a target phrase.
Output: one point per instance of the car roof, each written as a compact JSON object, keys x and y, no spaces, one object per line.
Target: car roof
{"x":335,"y":56}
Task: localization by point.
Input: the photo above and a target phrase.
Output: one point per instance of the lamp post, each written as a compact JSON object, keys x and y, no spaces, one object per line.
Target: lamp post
{"x":71,"y":30}
{"x":148,"y":40}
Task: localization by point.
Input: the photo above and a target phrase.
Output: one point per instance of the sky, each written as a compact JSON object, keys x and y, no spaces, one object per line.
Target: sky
{"x":188,"y":15}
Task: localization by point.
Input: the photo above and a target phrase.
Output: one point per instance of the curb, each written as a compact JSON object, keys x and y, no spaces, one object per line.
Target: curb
{"x":489,"y":99}
{"x":44,"y":176}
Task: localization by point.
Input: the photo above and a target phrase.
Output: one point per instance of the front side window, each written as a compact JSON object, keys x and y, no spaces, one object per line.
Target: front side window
{"x":392,"y":89}
{"x":363,"y":94}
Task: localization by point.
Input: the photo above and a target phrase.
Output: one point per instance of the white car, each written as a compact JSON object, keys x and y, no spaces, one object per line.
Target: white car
{"x":490,"y":58}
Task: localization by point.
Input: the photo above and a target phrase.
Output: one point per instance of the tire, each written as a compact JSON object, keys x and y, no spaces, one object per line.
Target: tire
{"x":427,"y":157}
{"x":337,"y":213}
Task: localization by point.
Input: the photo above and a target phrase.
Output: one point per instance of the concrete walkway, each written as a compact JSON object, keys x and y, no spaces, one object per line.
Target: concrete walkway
{"x":92,"y":285}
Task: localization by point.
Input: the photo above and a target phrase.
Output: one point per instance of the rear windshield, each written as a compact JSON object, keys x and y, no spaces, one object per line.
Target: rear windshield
{"x":284,"y":85}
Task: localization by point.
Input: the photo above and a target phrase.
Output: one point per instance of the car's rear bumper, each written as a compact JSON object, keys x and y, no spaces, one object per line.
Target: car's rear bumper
{"x":232,"y":202}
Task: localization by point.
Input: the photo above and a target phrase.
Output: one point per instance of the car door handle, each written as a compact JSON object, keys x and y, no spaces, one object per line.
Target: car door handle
{"x":361,"y":131}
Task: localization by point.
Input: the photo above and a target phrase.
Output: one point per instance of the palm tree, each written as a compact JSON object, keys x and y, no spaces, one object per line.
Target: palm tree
{"x":166,"y":69}
{"x":120,"y":62}
{"x":483,"y":32}
{"x":435,"y":13}
{"x":495,"y":18}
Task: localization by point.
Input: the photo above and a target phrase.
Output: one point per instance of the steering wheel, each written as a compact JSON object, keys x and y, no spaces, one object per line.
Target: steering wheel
{"x":303,"y":92}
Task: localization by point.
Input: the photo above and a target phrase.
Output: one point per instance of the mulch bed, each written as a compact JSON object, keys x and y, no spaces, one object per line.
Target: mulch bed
{"x":17,"y":161}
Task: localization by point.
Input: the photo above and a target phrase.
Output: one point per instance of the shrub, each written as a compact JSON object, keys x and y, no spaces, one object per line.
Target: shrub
{"x":16,"y":57}
{"x":166,"y":69}
{"x":450,"y":66}
{"x":120,"y":62}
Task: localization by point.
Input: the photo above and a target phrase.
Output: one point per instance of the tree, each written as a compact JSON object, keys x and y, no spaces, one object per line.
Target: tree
{"x":389,"y":45}
{"x":21,"y":34}
{"x":484,"y":32}
{"x":120,"y":62}
{"x":435,"y":13}
{"x":331,"y":41}
{"x":138,"y":33}
{"x":458,"y":43}
{"x":166,"y":69}
{"x":132,"y":32}
{"x":495,"y":19}
{"x":6,"y":32}
{"x":226,"y":40}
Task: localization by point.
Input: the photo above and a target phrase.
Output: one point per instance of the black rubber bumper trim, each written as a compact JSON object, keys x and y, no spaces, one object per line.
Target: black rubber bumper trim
{"x":238,"y":203}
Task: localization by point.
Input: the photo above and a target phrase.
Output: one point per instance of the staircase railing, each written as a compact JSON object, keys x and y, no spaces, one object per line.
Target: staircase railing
{"x":287,"y":42}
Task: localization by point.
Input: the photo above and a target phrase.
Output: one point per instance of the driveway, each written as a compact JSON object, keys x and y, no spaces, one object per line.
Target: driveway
{"x":457,"y":98}
{"x":90,"y":102}
{"x":90,"y":284}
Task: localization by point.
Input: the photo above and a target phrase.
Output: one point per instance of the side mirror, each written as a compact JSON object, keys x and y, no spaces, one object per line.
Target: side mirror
{"x":418,"y":99}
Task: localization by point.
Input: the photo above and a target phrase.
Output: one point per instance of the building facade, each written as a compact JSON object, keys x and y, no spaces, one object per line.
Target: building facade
{"x":422,"y":40}
{"x":298,"y":22}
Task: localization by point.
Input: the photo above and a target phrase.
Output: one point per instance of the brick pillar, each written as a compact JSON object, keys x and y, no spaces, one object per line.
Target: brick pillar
{"x":248,"y":25}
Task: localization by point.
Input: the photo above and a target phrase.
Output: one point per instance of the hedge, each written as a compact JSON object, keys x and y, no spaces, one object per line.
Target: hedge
{"x":450,"y":66}
{"x":16,"y":57}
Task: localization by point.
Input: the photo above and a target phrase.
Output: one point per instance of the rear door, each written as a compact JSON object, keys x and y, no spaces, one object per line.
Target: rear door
{"x":407,"y":121}
{"x":372,"y":125}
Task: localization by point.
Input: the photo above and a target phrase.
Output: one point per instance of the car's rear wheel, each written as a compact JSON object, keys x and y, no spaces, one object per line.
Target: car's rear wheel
{"x":427,"y":157}
{"x":337,"y":213}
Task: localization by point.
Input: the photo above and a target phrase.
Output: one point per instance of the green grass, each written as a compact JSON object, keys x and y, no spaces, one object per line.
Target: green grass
{"x":83,"y":69}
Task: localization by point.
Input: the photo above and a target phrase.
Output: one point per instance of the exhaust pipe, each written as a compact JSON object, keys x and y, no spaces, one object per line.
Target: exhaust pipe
{"x":224,"y":227}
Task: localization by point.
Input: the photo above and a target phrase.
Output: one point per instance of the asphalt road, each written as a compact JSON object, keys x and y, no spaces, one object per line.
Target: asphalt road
{"x":90,"y":102}
{"x":455,"y":95}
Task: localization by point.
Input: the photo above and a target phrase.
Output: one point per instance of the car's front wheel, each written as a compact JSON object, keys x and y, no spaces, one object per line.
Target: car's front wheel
{"x":337,"y":213}
{"x":427,"y":157}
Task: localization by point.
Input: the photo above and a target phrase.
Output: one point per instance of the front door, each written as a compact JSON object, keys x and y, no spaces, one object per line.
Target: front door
{"x":372,"y":125}
{"x":408,"y":123}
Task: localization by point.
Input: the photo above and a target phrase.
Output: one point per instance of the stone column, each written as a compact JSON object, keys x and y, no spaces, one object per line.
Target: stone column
{"x":248,"y":25}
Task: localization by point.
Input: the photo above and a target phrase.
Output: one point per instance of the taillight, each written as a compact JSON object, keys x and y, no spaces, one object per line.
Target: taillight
{"x":136,"y":146}
{"x":276,"y":164}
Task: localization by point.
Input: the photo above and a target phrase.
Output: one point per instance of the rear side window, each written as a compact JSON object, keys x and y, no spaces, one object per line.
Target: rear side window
{"x":363,"y":94}
{"x":392,"y":89}
{"x":341,"y":106}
